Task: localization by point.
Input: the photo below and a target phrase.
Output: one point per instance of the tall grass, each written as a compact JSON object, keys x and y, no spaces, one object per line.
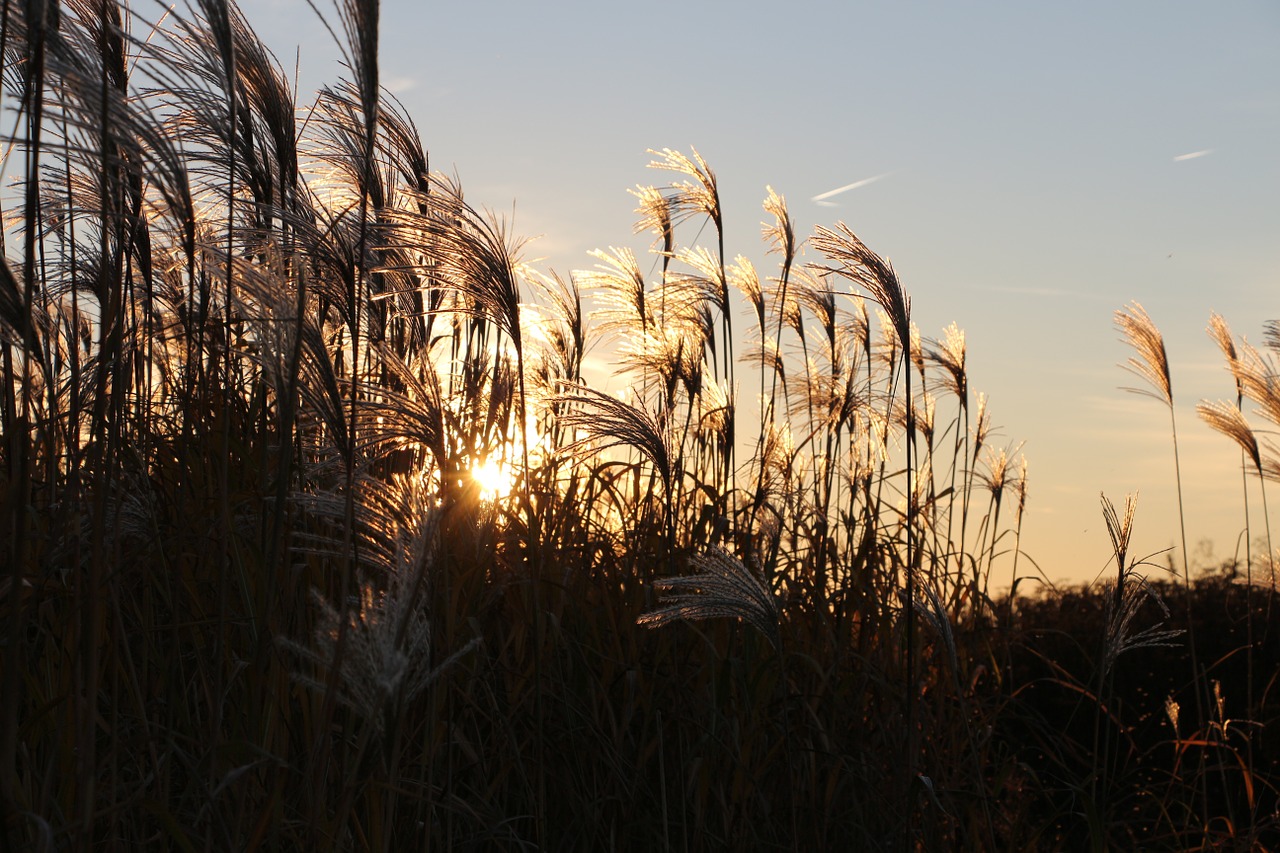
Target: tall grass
{"x":262,"y":588}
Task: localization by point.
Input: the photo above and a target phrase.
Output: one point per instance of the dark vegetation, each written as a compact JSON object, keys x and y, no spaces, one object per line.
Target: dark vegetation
{"x":257,"y":595}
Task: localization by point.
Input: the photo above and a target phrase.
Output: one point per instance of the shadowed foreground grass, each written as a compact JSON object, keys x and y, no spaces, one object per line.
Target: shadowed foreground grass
{"x":257,"y":593}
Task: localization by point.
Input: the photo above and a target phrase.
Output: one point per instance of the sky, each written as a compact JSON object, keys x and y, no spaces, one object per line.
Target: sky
{"x":1036,"y":167}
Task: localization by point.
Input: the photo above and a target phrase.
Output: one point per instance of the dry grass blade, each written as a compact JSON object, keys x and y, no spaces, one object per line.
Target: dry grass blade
{"x":1151,"y":362}
{"x":722,"y":587}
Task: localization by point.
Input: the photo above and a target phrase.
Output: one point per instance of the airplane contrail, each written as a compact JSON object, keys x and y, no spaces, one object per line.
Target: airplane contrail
{"x":821,"y":198}
{"x":1193,"y":155}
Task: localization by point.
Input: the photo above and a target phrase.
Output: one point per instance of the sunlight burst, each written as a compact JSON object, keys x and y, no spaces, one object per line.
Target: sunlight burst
{"x":495,"y":479}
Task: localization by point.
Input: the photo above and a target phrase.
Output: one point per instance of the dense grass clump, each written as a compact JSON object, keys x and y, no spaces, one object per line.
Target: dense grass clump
{"x":317,"y":536}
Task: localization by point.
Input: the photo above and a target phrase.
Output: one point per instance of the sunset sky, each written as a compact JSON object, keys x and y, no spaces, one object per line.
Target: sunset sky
{"x":1028,"y":169}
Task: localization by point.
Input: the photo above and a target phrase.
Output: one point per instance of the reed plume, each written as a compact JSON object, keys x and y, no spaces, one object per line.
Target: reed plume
{"x":869,"y":271}
{"x":864,"y":268}
{"x":1150,"y":362}
{"x":1227,"y":419}
{"x":618,"y":283}
{"x":1129,"y":592}
{"x":724,"y":587}
{"x":1220,"y":332}
{"x":388,"y":661}
{"x":1230,"y":421}
{"x":609,"y":422}
{"x":697,"y":197}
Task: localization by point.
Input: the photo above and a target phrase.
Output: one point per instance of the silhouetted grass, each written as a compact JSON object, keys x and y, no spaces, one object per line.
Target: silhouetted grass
{"x":257,"y":593}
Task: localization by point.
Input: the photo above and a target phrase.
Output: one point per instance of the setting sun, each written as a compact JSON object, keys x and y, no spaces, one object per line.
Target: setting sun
{"x":493,"y":477}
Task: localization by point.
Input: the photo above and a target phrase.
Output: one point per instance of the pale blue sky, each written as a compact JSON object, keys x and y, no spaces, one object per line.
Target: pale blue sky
{"x":1032,"y":184}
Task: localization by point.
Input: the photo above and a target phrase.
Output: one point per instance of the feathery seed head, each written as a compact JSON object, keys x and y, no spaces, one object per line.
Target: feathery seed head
{"x":889,"y":347}
{"x":689,"y":198}
{"x":743,"y":277}
{"x":1119,"y":528}
{"x":996,"y":477}
{"x":387,"y":657}
{"x":1122,"y":607}
{"x":917,"y":350}
{"x":1271,"y":335}
{"x":928,"y":603}
{"x":950,"y":355}
{"x":1172,"y":710}
{"x":655,"y":216}
{"x":780,"y":233}
{"x":716,"y":410}
{"x":609,"y":422}
{"x":1227,"y":419}
{"x":708,"y":277}
{"x":618,"y":282}
{"x":982,"y":424}
{"x":1221,"y":334}
{"x":866,"y":269}
{"x":926,"y":408}
{"x":561,"y":333}
{"x":1130,"y":591}
{"x":1151,"y":363}
{"x":724,"y":586}
{"x":1020,"y":485}
{"x":1260,"y":381}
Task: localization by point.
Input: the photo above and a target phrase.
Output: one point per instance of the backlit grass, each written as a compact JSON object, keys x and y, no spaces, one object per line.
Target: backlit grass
{"x":318,"y":536}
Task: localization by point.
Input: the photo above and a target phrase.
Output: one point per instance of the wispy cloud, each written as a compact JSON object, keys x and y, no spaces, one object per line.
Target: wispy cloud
{"x":1193,"y":155}
{"x":821,"y":198}
{"x":397,"y":85}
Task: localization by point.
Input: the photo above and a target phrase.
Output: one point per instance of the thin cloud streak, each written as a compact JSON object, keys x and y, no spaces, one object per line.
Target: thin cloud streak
{"x":1193,"y":155}
{"x":821,"y":198}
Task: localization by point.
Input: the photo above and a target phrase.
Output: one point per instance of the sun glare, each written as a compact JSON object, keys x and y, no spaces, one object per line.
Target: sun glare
{"x":494,"y":478}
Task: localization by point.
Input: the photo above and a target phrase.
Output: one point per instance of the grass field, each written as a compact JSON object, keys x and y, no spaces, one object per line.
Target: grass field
{"x":316,"y":535}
